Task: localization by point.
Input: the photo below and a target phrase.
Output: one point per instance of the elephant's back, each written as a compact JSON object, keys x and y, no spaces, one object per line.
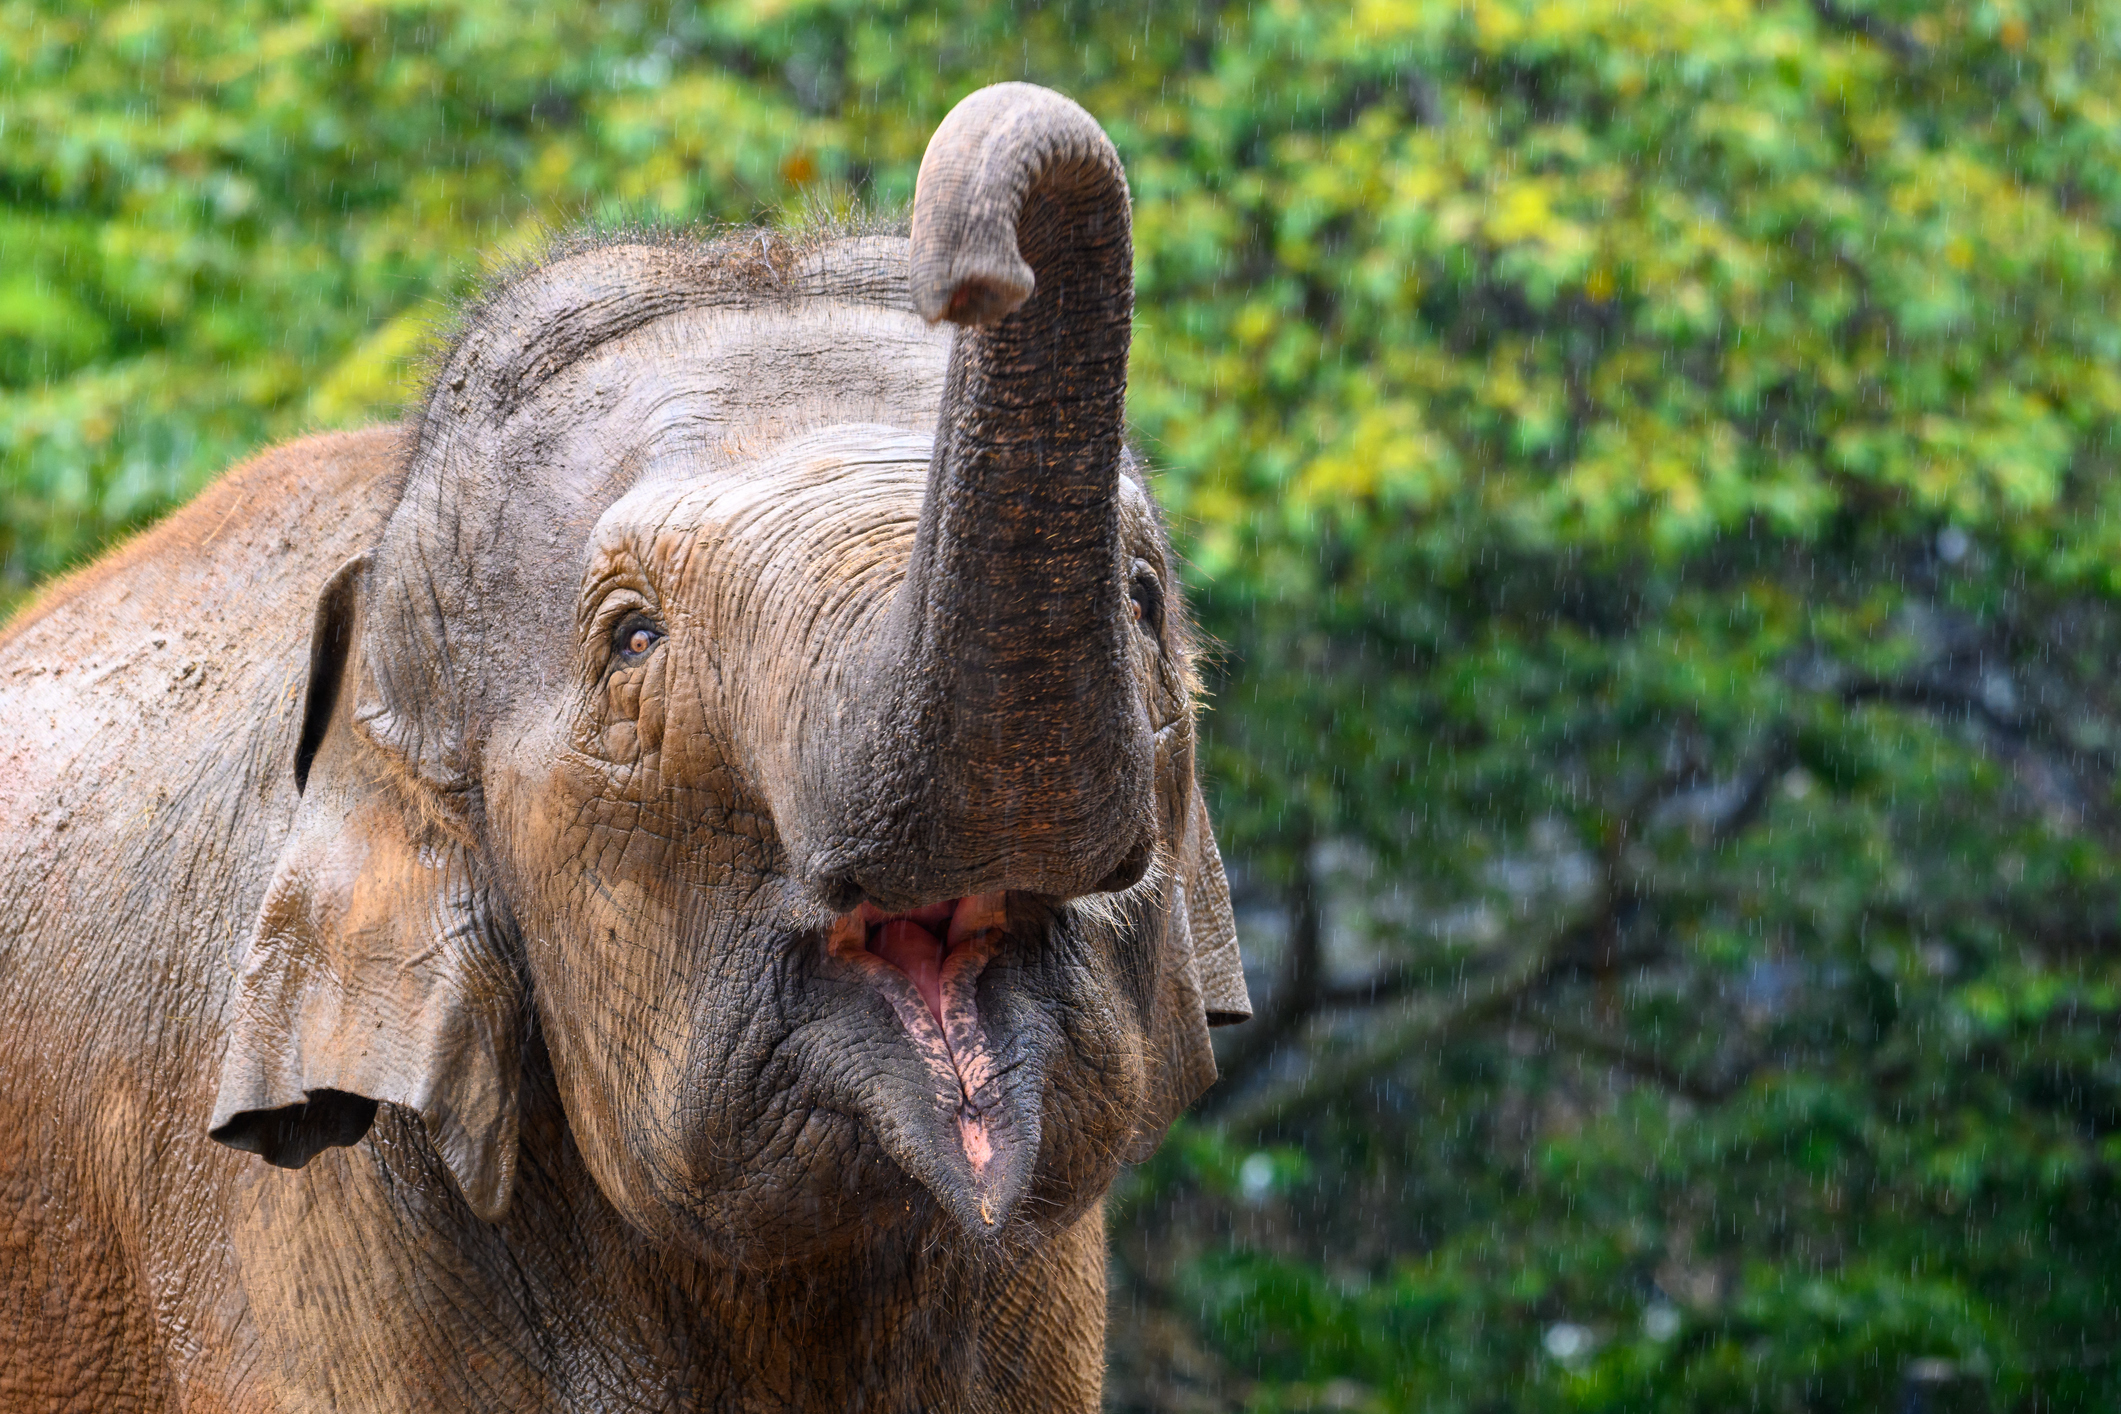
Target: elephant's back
{"x":144,"y":705}
{"x":134,"y":692}
{"x":148,"y":712}
{"x":267,"y":521}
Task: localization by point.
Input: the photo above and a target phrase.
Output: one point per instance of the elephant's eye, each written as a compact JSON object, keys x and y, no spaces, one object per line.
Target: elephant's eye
{"x":632,"y":640}
{"x":1147,"y":595}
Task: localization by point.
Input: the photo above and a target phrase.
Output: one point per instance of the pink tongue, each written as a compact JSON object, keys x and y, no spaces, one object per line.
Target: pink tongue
{"x":914,"y":951}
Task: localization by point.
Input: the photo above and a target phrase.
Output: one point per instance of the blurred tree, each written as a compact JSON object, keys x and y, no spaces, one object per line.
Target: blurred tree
{"x":1648,"y":466}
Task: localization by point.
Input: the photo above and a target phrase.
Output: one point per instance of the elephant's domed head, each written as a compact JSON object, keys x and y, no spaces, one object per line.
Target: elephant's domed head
{"x":765,"y":728}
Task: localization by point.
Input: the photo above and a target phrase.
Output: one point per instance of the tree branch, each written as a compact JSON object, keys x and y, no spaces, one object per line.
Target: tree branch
{"x":1385,"y":985}
{"x":2015,"y":732}
{"x":1890,"y":37}
{"x":1417,"y":1023}
{"x":1587,"y":941}
{"x":1621,"y":1055}
{"x":1722,"y":811}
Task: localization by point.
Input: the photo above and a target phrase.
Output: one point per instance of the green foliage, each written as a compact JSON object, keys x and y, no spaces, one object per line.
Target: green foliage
{"x":1648,"y":466}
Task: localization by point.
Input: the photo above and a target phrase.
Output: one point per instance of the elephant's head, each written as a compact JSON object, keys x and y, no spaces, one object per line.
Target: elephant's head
{"x":776,"y":702}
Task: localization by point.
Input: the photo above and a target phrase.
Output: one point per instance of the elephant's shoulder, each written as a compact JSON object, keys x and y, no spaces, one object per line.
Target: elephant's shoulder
{"x":148,"y":681}
{"x":285,"y":518}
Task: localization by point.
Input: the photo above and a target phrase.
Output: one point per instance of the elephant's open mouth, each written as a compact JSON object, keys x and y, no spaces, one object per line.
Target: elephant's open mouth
{"x":927,"y":963}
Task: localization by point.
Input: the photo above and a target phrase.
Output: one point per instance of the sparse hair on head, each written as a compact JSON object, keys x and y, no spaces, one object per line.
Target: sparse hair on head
{"x":698,"y":264}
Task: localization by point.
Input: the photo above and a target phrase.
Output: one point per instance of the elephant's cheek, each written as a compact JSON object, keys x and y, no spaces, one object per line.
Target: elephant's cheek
{"x":589,"y":928}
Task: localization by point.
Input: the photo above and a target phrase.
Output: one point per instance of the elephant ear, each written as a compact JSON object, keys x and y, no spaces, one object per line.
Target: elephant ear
{"x":1213,"y":928}
{"x":374,"y":972}
{"x":1201,"y":983}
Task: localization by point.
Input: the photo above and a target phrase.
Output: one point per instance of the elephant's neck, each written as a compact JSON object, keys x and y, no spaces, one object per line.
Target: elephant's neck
{"x":841,"y":1338}
{"x":913,"y":1327}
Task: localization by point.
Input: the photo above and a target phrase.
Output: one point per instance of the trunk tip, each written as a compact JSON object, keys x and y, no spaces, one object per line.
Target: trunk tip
{"x":978,"y":298}
{"x":1001,"y":158}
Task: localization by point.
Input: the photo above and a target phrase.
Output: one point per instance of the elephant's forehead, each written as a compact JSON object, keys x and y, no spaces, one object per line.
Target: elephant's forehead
{"x":717,"y":385}
{"x":837,"y":483}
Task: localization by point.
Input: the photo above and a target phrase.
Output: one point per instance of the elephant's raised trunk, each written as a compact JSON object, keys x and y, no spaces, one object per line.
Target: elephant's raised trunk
{"x":1006,"y":746}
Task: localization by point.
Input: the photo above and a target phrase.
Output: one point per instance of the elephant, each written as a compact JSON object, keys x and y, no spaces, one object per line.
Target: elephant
{"x":672,"y":879}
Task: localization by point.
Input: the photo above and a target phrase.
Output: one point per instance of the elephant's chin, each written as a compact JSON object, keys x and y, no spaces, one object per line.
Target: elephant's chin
{"x":976,"y":1146}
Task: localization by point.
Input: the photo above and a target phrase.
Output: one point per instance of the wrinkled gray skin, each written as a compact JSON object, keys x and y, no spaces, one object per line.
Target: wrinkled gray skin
{"x":489,"y":822}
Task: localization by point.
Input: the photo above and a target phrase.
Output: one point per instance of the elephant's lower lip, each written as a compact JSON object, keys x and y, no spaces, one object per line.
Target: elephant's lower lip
{"x":930,"y":982}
